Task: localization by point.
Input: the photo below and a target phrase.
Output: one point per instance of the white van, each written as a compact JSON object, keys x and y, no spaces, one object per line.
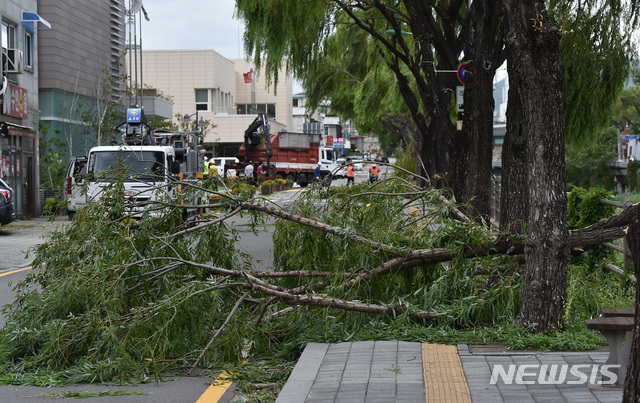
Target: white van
{"x":73,"y":196}
{"x":220,"y":163}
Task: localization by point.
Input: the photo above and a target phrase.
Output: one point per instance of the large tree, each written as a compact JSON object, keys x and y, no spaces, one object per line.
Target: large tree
{"x":420,"y":43}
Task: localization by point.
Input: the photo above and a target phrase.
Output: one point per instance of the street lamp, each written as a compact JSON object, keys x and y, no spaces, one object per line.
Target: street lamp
{"x":187,"y":118}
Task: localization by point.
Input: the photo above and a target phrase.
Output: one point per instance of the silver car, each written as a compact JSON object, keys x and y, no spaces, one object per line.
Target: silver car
{"x":74,"y":197}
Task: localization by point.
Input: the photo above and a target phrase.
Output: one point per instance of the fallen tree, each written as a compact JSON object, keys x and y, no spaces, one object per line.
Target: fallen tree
{"x":122,"y":300}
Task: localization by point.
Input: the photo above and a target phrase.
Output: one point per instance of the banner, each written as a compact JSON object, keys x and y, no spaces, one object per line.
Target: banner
{"x":15,"y":102}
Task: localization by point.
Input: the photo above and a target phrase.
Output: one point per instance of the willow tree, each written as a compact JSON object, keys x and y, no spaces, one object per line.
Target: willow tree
{"x":419,"y":43}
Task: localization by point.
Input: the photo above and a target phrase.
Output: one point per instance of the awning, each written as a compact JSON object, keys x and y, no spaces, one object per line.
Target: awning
{"x":30,"y":21}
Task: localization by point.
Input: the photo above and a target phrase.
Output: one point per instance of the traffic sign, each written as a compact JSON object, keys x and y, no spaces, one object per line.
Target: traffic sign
{"x":631,"y":137}
{"x":462,"y":73}
{"x":460,"y":98}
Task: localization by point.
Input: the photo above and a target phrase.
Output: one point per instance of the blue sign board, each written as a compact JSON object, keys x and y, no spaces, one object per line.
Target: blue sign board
{"x":631,"y":137}
{"x":134,"y":115}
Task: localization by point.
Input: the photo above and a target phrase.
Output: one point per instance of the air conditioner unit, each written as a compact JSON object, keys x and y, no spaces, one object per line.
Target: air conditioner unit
{"x":12,"y":60}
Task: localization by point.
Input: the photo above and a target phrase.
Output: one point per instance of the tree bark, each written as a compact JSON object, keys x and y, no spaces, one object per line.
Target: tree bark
{"x":533,"y":43}
{"x":631,"y":393}
{"x":483,"y":52}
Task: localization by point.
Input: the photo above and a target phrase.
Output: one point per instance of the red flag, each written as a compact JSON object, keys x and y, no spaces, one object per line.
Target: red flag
{"x":248,"y":77}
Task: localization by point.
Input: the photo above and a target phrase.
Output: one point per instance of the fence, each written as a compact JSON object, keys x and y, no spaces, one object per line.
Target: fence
{"x":628,"y":261}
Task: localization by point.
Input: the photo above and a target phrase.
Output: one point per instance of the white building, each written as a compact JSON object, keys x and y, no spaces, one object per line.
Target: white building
{"x":214,"y":87}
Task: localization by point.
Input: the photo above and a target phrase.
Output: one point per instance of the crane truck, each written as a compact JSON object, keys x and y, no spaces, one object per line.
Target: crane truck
{"x":292,"y":156}
{"x":152,"y":164}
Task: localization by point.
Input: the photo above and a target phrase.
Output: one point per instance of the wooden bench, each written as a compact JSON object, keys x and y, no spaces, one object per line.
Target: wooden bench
{"x":608,"y":313}
{"x":618,"y":330}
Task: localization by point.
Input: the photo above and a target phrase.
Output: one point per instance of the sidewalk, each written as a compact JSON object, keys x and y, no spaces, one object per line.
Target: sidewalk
{"x":398,"y":371}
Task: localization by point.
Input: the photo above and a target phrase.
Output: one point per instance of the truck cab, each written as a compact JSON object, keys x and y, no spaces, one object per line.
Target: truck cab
{"x":144,"y":170}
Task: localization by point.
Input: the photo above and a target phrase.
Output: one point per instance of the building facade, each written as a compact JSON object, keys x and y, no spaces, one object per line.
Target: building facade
{"x":80,"y":67}
{"x":227,"y":93}
{"x":21,"y":33}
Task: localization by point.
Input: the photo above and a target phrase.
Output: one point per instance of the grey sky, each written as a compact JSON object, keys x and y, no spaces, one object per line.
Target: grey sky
{"x":193,"y":24}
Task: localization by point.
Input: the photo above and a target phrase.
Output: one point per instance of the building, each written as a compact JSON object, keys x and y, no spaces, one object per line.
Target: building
{"x":21,"y":35}
{"x":80,"y":67}
{"x":227,"y":93}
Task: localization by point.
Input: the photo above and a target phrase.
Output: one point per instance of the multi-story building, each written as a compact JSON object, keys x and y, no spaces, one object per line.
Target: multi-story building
{"x":80,"y":67}
{"x":225,"y":92}
{"x":19,"y":115}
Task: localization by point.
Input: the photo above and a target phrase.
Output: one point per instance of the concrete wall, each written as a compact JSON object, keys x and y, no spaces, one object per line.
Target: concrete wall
{"x":80,"y":44}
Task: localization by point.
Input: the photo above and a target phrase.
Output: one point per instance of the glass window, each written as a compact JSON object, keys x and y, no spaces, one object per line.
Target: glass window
{"x":242,"y":109}
{"x":202,"y":96}
{"x":28,"y":49}
{"x":271,"y":110}
{"x":202,"y":100}
{"x":145,"y":165}
{"x":8,"y":36}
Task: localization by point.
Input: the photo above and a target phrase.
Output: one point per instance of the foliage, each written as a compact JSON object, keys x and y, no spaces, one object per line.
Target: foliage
{"x":585,"y":209}
{"x":588,"y":165}
{"x":53,"y":206}
{"x":242,"y":188}
{"x":53,"y":166}
{"x":633,"y":179}
{"x":595,"y":53}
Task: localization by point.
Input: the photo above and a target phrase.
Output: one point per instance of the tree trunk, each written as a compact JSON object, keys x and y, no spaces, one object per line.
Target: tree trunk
{"x":631,"y":392}
{"x":533,"y":43}
{"x":513,"y":197}
{"x":483,"y":51}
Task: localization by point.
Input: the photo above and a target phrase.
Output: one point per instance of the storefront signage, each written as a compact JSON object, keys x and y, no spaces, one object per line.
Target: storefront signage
{"x":15,"y":103}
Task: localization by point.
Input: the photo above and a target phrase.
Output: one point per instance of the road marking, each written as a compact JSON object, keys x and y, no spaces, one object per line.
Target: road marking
{"x":215,"y":391}
{"x":444,"y":379}
{"x":15,"y":271}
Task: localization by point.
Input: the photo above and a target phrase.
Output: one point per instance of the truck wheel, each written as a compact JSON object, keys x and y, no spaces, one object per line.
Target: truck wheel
{"x":303,"y":184}
{"x":71,"y":214}
{"x":291,"y":178}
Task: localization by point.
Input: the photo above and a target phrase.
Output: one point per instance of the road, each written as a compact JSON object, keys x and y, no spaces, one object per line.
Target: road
{"x":18,"y":238}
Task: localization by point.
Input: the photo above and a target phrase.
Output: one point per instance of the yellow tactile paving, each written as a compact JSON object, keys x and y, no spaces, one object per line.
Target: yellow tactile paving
{"x":444,"y":379}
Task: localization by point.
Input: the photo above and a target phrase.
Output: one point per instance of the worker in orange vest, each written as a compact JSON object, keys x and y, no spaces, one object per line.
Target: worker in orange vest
{"x":374,"y":171}
{"x":350,"y":176}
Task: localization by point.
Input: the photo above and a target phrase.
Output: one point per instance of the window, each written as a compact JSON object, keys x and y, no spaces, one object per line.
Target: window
{"x":271,"y":110}
{"x":28,"y":49}
{"x":202,"y":100}
{"x":248,"y":109}
{"x":8,"y":36}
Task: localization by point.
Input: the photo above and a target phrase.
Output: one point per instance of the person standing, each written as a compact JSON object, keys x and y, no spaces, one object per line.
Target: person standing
{"x":374,"y":171}
{"x":213,"y":169}
{"x":248,"y":173}
{"x":317,"y":177}
{"x":260,"y":171}
{"x":350,"y":176}
{"x":205,"y":169}
{"x":213,"y":174}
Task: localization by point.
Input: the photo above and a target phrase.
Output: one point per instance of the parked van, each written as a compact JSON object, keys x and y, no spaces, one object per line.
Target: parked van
{"x":220,"y":163}
{"x":73,"y":195}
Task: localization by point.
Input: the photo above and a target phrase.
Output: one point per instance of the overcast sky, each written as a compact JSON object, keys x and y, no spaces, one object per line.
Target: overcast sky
{"x":192,"y":24}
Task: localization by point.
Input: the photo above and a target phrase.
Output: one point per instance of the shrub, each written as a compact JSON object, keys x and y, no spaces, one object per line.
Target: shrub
{"x":53,"y":206}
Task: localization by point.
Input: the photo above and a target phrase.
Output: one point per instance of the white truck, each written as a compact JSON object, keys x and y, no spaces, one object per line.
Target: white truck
{"x":149,"y":164}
